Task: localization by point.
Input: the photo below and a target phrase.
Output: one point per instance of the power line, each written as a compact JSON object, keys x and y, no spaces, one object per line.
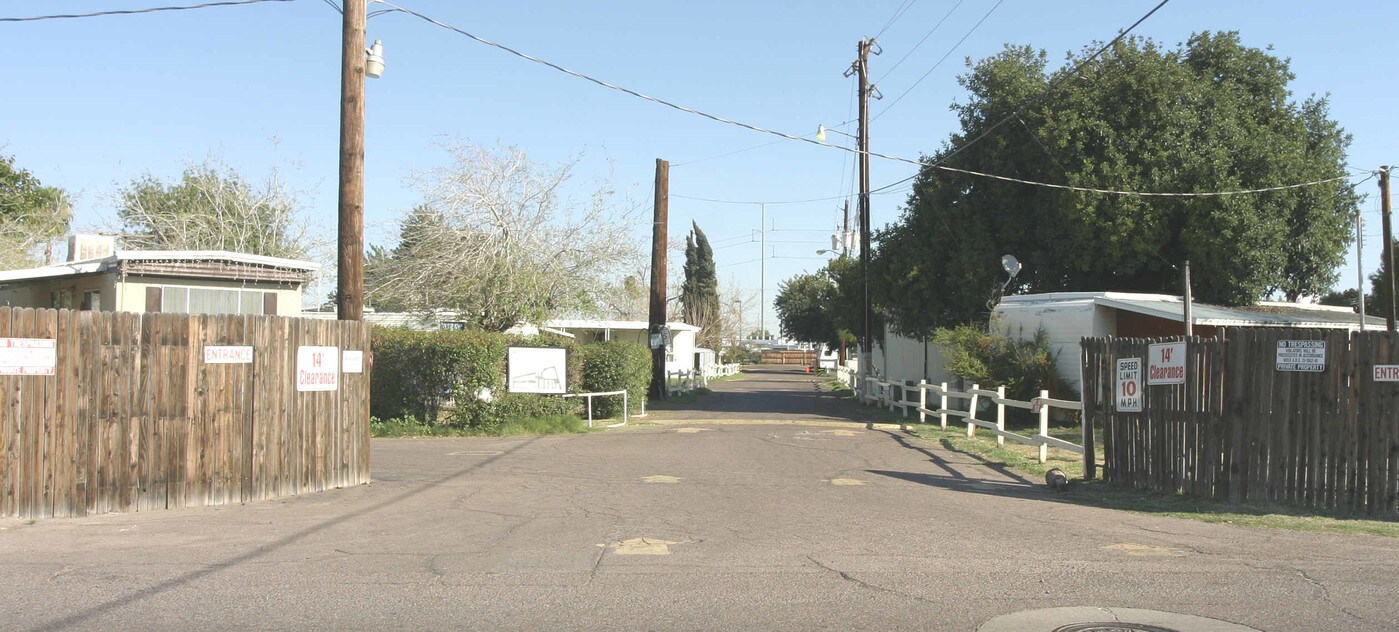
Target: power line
{"x":1074,"y":72}
{"x":934,"y":165}
{"x":939,"y":62}
{"x":920,"y":42}
{"x":206,"y":5}
{"x":898,"y":13}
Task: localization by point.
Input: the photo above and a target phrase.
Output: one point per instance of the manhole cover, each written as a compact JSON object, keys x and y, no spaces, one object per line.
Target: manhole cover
{"x":1112,"y":627}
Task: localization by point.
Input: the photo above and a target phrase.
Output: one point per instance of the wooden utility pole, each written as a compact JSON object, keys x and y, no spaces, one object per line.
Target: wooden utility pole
{"x":1388,"y":263}
{"x":862,"y":70}
{"x":658,"y":278}
{"x":845,"y":232}
{"x":1189,"y":317}
{"x":1360,"y":264}
{"x":349,"y":286}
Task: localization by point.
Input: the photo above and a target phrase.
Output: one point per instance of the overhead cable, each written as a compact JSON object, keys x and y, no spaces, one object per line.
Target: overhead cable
{"x":1074,"y":72}
{"x":920,"y":42}
{"x":921,"y":163}
{"x":939,"y":62}
{"x":69,"y":16}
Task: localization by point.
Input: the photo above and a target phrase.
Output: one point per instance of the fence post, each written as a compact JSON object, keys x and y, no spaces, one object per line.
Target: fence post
{"x":922,"y":401}
{"x":943,"y":406}
{"x":1044,"y":425}
{"x":589,"y":399}
{"x":971,"y":412}
{"x":625,"y":406}
{"x":1000,"y":415}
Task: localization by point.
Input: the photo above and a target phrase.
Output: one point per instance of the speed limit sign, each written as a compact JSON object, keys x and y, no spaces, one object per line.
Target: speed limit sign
{"x":1129,"y":385}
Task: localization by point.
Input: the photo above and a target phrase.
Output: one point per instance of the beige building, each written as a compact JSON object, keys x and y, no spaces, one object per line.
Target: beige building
{"x":98,"y":277}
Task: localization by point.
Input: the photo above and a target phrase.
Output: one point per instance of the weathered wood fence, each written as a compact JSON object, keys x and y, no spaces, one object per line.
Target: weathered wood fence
{"x":135,"y":416}
{"x":789,"y":356}
{"x":1250,"y":424}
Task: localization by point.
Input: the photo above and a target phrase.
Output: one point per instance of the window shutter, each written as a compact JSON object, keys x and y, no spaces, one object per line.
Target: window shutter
{"x":152,"y":299}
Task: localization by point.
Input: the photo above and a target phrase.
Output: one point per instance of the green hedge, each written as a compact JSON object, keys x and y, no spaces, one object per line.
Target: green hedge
{"x":439,"y":376}
{"x":416,"y":372}
{"x":614,"y":366}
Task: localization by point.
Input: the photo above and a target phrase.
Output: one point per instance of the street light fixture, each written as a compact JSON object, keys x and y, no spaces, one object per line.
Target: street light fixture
{"x":374,"y":60}
{"x":822,"y":129}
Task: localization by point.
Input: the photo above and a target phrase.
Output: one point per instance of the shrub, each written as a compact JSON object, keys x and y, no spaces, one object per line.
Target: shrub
{"x":1024,"y":367}
{"x":489,"y":417}
{"x":614,"y":366}
{"x":421,"y":373}
{"x":734,"y":355}
{"x":416,"y":372}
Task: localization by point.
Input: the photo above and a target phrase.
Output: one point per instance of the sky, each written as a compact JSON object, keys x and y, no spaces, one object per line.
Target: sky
{"x":90,"y":104}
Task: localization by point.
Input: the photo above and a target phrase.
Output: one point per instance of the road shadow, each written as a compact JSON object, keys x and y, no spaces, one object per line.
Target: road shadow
{"x":947,"y":466}
{"x":768,"y":391}
{"x":84,"y":617}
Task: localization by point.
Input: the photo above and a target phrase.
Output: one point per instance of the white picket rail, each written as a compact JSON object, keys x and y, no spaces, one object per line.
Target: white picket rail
{"x":719,"y":370}
{"x":625,"y":406}
{"x":883,"y":393}
{"x":683,"y":381}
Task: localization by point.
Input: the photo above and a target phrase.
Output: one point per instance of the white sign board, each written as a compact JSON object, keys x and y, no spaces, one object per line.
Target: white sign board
{"x":1129,"y":385}
{"x":317,"y":368}
{"x":228,"y":355}
{"x":537,"y":370}
{"x":1387,"y":372}
{"x":352,"y":361}
{"x":28,"y":356}
{"x":1165,"y":363}
{"x":1302,"y":355}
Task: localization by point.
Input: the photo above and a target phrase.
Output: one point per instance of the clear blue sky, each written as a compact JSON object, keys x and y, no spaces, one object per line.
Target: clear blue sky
{"x":91,"y":103}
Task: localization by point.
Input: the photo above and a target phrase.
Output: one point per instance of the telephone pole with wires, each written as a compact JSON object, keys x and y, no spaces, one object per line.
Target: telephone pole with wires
{"x":1390,"y":309}
{"x":861,"y":69}
{"x":349,"y":283}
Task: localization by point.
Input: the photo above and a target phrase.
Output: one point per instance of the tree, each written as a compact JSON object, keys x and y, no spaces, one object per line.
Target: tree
{"x":32,"y":217}
{"x":699,"y":292}
{"x":825,"y":307}
{"x":1377,"y":301}
{"x":1210,"y":115}
{"x":212,"y":207}
{"x":804,"y":307}
{"x":497,"y":240}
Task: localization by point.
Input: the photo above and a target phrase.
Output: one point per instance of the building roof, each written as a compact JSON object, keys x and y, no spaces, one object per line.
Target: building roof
{"x":639,"y":325}
{"x":1264,"y":314}
{"x":103,"y":264}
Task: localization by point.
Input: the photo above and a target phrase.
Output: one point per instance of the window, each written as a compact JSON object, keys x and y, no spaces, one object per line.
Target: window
{"x":201,"y":300}
{"x":92,"y":300}
{"x":62,"y":299}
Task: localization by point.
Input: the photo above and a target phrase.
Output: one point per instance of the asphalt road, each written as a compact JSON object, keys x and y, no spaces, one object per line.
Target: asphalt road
{"x":707,"y":519}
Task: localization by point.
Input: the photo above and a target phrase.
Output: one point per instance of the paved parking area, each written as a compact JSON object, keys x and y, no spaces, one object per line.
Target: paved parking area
{"x":707,"y":520}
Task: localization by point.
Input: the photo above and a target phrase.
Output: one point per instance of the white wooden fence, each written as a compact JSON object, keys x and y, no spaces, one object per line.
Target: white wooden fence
{"x":896,"y":395}
{"x":686,"y":380}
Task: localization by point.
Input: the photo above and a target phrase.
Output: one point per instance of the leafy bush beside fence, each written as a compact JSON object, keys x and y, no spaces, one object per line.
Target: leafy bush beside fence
{"x":614,"y":366}
{"x":416,"y":372}
{"x":440,"y":376}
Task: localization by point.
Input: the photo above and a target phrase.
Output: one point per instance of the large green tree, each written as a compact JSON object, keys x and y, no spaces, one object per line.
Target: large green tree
{"x":1209,"y":115}
{"x":32,"y":217}
{"x":826,"y":307}
{"x":699,"y":292}
{"x":213,"y":207}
